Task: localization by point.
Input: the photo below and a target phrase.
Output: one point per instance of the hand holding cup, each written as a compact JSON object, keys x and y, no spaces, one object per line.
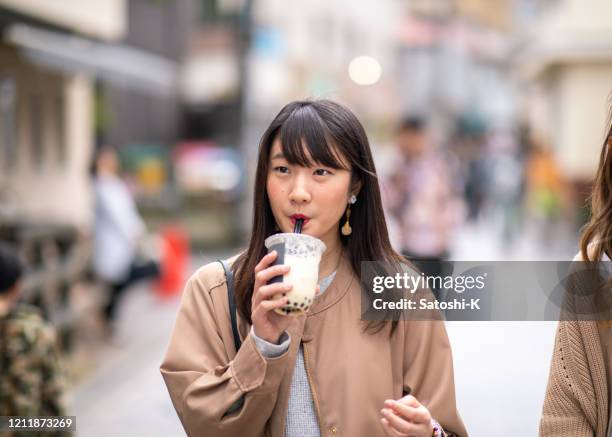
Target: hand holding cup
{"x":268,"y":324}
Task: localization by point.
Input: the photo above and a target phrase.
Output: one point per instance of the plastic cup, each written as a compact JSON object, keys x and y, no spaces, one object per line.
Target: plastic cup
{"x":303,"y":253}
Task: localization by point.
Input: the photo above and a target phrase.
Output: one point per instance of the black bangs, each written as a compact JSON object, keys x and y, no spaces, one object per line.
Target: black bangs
{"x":305,"y":140}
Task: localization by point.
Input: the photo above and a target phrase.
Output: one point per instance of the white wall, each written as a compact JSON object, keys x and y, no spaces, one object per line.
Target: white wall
{"x":105,"y":19}
{"x":49,"y":190}
{"x":577,"y":16}
{"x":584,"y":89}
{"x":573,"y":78}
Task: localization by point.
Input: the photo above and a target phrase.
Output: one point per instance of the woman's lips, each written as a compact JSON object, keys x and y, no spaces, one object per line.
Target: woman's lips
{"x":303,"y":217}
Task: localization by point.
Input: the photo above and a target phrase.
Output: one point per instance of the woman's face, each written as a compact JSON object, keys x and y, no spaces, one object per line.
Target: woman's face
{"x":108,"y":162}
{"x":319,"y":193}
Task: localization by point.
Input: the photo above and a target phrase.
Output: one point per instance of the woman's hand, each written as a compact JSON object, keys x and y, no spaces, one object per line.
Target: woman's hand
{"x":406,"y":418}
{"x":267,"y":324}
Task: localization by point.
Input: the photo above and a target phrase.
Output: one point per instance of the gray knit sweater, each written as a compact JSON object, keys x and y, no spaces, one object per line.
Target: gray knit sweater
{"x":301,"y":417}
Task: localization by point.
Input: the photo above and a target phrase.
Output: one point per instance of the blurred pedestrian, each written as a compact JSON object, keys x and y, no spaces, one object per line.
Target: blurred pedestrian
{"x":422,"y":197}
{"x":545,"y":184}
{"x":469,"y":145}
{"x":31,"y":373}
{"x":548,"y":195}
{"x":506,"y":184}
{"x":578,"y":395}
{"x":119,"y":233}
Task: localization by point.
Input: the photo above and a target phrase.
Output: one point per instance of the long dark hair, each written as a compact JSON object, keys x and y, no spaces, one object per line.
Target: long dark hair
{"x":331,"y":133}
{"x":598,"y":230}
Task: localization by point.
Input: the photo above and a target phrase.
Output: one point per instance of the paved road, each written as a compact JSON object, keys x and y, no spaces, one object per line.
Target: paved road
{"x":126,"y":395}
{"x":501,"y":368}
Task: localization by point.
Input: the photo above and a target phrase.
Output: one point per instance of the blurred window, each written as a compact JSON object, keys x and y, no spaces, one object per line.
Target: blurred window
{"x":8,"y":146}
{"x":209,"y":10}
{"x":220,"y":10}
{"x":36,"y":130}
{"x":59,"y":129}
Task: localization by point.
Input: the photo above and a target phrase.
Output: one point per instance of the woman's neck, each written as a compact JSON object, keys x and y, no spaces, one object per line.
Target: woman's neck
{"x":331,"y":257}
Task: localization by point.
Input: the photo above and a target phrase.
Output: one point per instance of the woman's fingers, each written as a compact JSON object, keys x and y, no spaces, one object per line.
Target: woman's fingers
{"x":418,"y":414}
{"x":410,"y":400}
{"x":269,"y":305}
{"x":268,"y":291}
{"x":398,"y":423}
{"x":262,"y":277}
{"x":407,"y":416}
{"x":389,"y":430}
{"x":265,"y":261}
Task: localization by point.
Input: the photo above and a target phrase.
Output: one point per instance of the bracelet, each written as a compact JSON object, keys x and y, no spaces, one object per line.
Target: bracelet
{"x":437,"y":429}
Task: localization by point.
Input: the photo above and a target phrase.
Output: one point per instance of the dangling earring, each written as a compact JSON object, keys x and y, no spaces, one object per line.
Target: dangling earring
{"x":346,"y":227}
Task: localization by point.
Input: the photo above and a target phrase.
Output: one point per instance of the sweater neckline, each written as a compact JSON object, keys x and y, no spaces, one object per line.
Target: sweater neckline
{"x":326,"y":281}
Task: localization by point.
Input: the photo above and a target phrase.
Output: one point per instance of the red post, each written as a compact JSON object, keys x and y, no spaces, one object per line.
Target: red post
{"x":174,"y":261}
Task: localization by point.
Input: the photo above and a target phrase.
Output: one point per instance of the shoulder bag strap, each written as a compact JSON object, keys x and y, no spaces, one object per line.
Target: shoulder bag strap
{"x":229,"y":275}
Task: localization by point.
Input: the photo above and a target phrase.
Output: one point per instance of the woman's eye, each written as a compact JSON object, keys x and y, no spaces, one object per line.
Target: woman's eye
{"x":322,"y":172}
{"x":281,"y":169}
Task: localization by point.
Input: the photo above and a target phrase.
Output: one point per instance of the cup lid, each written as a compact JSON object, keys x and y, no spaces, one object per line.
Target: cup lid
{"x":296,"y":241}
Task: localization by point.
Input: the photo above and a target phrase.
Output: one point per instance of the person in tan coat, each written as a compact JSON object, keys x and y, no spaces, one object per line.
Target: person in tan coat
{"x":326,"y":372}
{"x":577,"y":400}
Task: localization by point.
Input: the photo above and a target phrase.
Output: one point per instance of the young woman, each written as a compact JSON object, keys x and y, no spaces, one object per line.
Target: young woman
{"x":577,"y":401}
{"x":324,"y":373}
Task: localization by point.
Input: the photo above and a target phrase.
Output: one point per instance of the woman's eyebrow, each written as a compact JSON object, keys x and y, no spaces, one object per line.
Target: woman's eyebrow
{"x":278,"y":155}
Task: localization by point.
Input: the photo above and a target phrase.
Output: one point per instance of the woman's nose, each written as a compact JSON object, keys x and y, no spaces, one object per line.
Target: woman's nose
{"x":299,"y":191}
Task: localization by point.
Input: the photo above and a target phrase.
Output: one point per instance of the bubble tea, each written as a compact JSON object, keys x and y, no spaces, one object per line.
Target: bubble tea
{"x":303,"y":253}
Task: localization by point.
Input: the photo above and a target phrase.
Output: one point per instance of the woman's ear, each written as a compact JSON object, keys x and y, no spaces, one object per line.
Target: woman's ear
{"x":355,"y":187}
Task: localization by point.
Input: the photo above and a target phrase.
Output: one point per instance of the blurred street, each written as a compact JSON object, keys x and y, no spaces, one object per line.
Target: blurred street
{"x":126,"y":396}
{"x":501,"y":368}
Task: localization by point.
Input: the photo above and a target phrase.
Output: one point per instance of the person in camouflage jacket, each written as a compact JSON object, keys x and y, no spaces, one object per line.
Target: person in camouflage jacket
{"x":31,"y":374}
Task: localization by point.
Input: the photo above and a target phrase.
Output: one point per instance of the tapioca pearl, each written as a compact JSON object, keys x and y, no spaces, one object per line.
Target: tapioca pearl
{"x":284,"y":294}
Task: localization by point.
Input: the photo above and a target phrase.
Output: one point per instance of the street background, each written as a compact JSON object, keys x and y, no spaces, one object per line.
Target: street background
{"x":514,"y":94}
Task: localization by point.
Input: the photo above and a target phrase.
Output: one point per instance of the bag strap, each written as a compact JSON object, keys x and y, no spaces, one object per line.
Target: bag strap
{"x":229,"y":276}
